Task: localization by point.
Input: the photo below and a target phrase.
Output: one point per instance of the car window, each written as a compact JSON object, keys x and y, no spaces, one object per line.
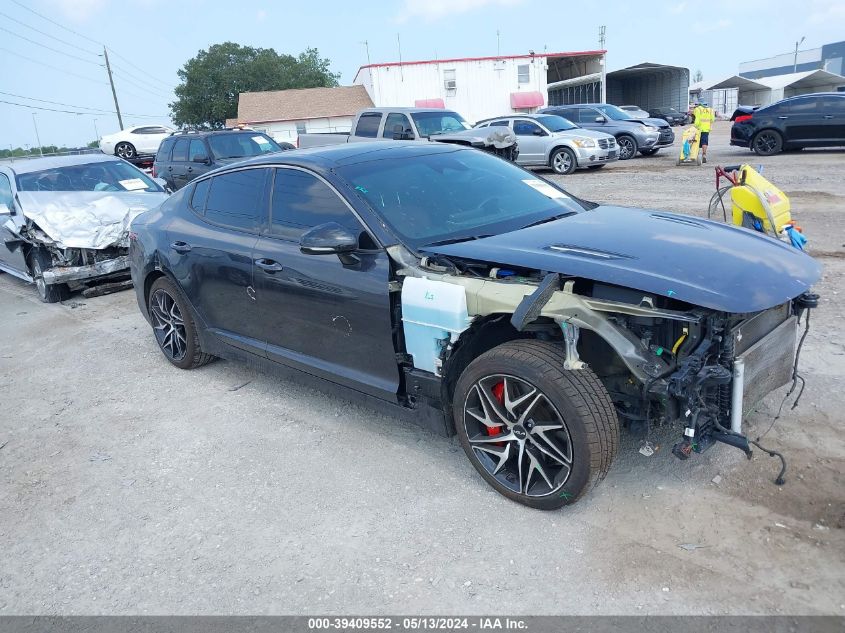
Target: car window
{"x":804,"y":106}
{"x":164,"y":149}
{"x":556,"y":123}
{"x":368,"y":124}
{"x":199,"y":194}
{"x":523,"y":127}
{"x":588,"y":115}
{"x":439,"y":122}
{"x":833,"y":105}
{"x":5,"y":191}
{"x":235,"y":199}
{"x":775,"y":108}
{"x":242,"y":145}
{"x":302,"y":201}
{"x":500,"y":122}
{"x":108,"y":175}
{"x":157,"y":130}
{"x":180,"y":150}
{"x":394,"y":119}
{"x":197,"y":150}
{"x":141,"y":130}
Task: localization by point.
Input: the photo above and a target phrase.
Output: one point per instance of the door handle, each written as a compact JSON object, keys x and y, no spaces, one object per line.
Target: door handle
{"x":783,"y":117}
{"x":269,"y":265}
{"x":828,"y":116}
{"x":181,"y":247}
{"x":190,"y":169}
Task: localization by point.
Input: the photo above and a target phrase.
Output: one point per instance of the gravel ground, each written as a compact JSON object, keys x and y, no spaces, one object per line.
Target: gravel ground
{"x":130,"y":487}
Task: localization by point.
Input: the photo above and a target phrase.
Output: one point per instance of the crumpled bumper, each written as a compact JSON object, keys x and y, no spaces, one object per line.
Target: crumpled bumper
{"x":63,"y":274}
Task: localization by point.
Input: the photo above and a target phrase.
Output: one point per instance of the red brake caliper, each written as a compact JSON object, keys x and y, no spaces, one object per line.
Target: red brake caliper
{"x":499,"y":393}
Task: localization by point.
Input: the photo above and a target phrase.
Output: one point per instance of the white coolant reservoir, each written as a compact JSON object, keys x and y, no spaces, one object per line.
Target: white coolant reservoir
{"x":433,"y":313}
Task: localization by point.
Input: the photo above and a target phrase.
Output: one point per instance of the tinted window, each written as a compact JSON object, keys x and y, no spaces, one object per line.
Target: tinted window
{"x":197,"y":150}
{"x":833,"y":105}
{"x":521,"y":127}
{"x":504,"y":123}
{"x":242,"y":145}
{"x":235,"y":198}
{"x":164,"y":149}
{"x":180,"y":150}
{"x":302,"y":201}
{"x":5,"y":191}
{"x":588,"y":115}
{"x":394,"y":119}
{"x":775,"y":108}
{"x":429,"y":123}
{"x":567,"y":113}
{"x":368,"y":124}
{"x":804,"y":106}
{"x":199,"y":195}
{"x":142,"y":130}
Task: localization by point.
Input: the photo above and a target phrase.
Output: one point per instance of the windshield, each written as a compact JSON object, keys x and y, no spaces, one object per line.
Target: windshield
{"x":431,"y":123}
{"x":556,"y":123}
{"x":461,"y":194}
{"x":612,"y":112}
{"x":241,"y":145}
{"x":112,"y":175}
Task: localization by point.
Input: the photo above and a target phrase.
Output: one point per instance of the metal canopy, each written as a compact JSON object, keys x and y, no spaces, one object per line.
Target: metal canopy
{"x":649,"y":86}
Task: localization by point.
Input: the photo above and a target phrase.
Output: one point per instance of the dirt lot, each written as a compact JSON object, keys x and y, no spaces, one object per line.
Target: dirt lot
{"x":127,"y":486}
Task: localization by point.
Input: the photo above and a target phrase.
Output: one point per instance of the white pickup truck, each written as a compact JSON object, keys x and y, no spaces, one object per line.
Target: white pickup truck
{"x":418,"y":124}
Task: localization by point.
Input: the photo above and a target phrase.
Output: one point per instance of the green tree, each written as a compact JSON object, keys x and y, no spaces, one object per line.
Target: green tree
{"x":210,"y":82}
{"x":93,"y":145}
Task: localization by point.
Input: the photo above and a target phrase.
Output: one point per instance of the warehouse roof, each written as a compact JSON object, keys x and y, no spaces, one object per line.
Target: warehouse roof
{"x":300,"y":104}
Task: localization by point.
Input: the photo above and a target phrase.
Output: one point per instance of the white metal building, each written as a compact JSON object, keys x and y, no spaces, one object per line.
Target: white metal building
{"x":765,"y":90}
{"x":475,"y":87}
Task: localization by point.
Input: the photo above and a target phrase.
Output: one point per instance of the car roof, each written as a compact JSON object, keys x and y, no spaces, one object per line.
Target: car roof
{"x":204,"y":133}
{"x":406,"y":110}
{"x":514,"y":115}
{"x":326,"y":158}
{"x":29,"y":165}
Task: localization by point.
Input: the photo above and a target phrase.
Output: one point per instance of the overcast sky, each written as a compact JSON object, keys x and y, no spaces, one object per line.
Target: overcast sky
{"x":153,"y":38}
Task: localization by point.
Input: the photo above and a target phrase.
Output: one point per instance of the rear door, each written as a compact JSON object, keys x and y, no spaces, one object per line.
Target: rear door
{"x":367,"y":127}
{"x":328,"y":317}
{"x":833,"y":119}
{"x":210,"y":252}
{"x":197,"y":164}
{"x":11,"y":254}
{"x":803,"y":122}
{"x":178,"y":166}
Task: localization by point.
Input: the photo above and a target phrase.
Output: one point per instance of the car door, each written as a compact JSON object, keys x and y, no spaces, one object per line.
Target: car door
{"x":210,"y":252}
{"x":328,"y":315}
{"x":590,"y":119}
{"x":833,"y":119}
{"x":198,"y":160}
{"x":802,"y":121}
{"x":11,"y":254}
{"x":532,"y":141}
{"x":367,"y":127}
{"x":178,"y":167}
{"x":392,"y":123}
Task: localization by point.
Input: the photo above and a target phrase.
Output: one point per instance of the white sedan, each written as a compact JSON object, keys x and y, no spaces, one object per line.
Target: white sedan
{"x":134,"y":141}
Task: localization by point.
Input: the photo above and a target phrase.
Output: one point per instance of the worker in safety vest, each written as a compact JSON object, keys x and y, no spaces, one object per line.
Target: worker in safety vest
{"x":703,"y":120}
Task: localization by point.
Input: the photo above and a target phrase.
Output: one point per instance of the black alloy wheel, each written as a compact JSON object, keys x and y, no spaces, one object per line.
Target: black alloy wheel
{"x":174,"y":329}
{"x":767,"y":143}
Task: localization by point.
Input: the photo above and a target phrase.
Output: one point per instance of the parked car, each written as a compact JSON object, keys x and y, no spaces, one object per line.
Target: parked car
{"x":547,"y":140}
{"x":184,"y":156}
{"x":64,"y":220}
{"x":417,"y":124}
{"x":670,"y":115}
{"x":645,"y":136}
{"x":812,"y":120}
{"x":636,"y":112}
{"x":135,"y":141}
{"x":459,"y":289}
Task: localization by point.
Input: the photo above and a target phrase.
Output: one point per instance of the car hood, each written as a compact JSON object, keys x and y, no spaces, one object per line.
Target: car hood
{"x":86,"y":219}
{"x":496,"y":136}
{"x":700,"y":262}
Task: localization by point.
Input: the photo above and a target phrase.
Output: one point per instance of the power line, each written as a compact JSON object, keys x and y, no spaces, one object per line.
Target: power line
{"x":73,"y":105}
{"x":119,"y":56}
{"x":50,"y":48}
{"x":33,"y":107}
{"x":124,"y":75}
{"x":32,"y":28}
{"x":66,"y":72}
{"x":61,"y":26}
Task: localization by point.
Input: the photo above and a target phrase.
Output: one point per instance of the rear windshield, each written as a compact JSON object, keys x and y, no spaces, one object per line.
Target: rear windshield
{"x":242,"y":145}
{"x":100,"y":176}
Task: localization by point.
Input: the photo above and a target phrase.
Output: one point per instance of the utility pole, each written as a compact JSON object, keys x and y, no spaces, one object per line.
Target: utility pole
{"x":113,"y":92}
{"x":37,"y":138}
{"x":603,"y":65}
{"x":399,"y":45}
{"x":367,"y":47}
{"x":795,"y":59}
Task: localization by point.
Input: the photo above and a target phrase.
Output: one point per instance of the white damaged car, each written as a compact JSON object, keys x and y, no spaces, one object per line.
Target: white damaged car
{"x":64,"y":220}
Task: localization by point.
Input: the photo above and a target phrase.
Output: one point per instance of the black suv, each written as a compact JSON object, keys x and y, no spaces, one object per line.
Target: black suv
{"x":184,"y":156}
{"x":813,"y":120}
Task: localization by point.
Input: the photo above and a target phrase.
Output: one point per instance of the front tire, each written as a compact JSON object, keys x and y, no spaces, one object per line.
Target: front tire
{"x":125,"y":150}
{"x":767,"y":143}
{"x":627,"y":147}
{"x":563,"y":161}
{"x":174,"y":329}
{"x":538,"y":434}
{"x":39,"y":261}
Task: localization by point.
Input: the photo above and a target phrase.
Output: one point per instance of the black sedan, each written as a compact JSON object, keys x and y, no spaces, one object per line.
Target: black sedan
{"x":451,"y":286}
{"x":670,"y":115}
{"x":813,"y":120}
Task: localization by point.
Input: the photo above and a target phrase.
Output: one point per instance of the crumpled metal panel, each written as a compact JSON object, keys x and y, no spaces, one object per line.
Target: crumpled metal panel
{"x":86,"y":219}
{"x":63,"y":274}
{"x":499,"y":137}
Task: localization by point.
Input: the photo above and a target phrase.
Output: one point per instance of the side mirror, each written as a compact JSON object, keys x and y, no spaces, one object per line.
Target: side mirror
{"x":402,"y":134}
{"x":327,"y":239}
{"x":538,"y":133}
{"x":200,"y":158}
{"x":601,"y":119}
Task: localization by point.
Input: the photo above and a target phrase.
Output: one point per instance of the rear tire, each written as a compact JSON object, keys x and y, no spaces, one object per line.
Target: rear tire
{"x":39,"y":261}
{"x":767,"y":143}
{"x":173,"y":326}
{"x":627,"y":147}
{"x":545,"y":415}
{"x":125,"y":150}
{"x":563,"y":161}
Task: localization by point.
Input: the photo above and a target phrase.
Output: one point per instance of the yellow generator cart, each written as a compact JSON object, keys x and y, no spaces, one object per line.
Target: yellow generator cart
{"x":755,"y":204}
{"x":690,"y":147}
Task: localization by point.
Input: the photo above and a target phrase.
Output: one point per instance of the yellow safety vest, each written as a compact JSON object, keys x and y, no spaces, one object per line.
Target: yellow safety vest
{"x":703,"y":118}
